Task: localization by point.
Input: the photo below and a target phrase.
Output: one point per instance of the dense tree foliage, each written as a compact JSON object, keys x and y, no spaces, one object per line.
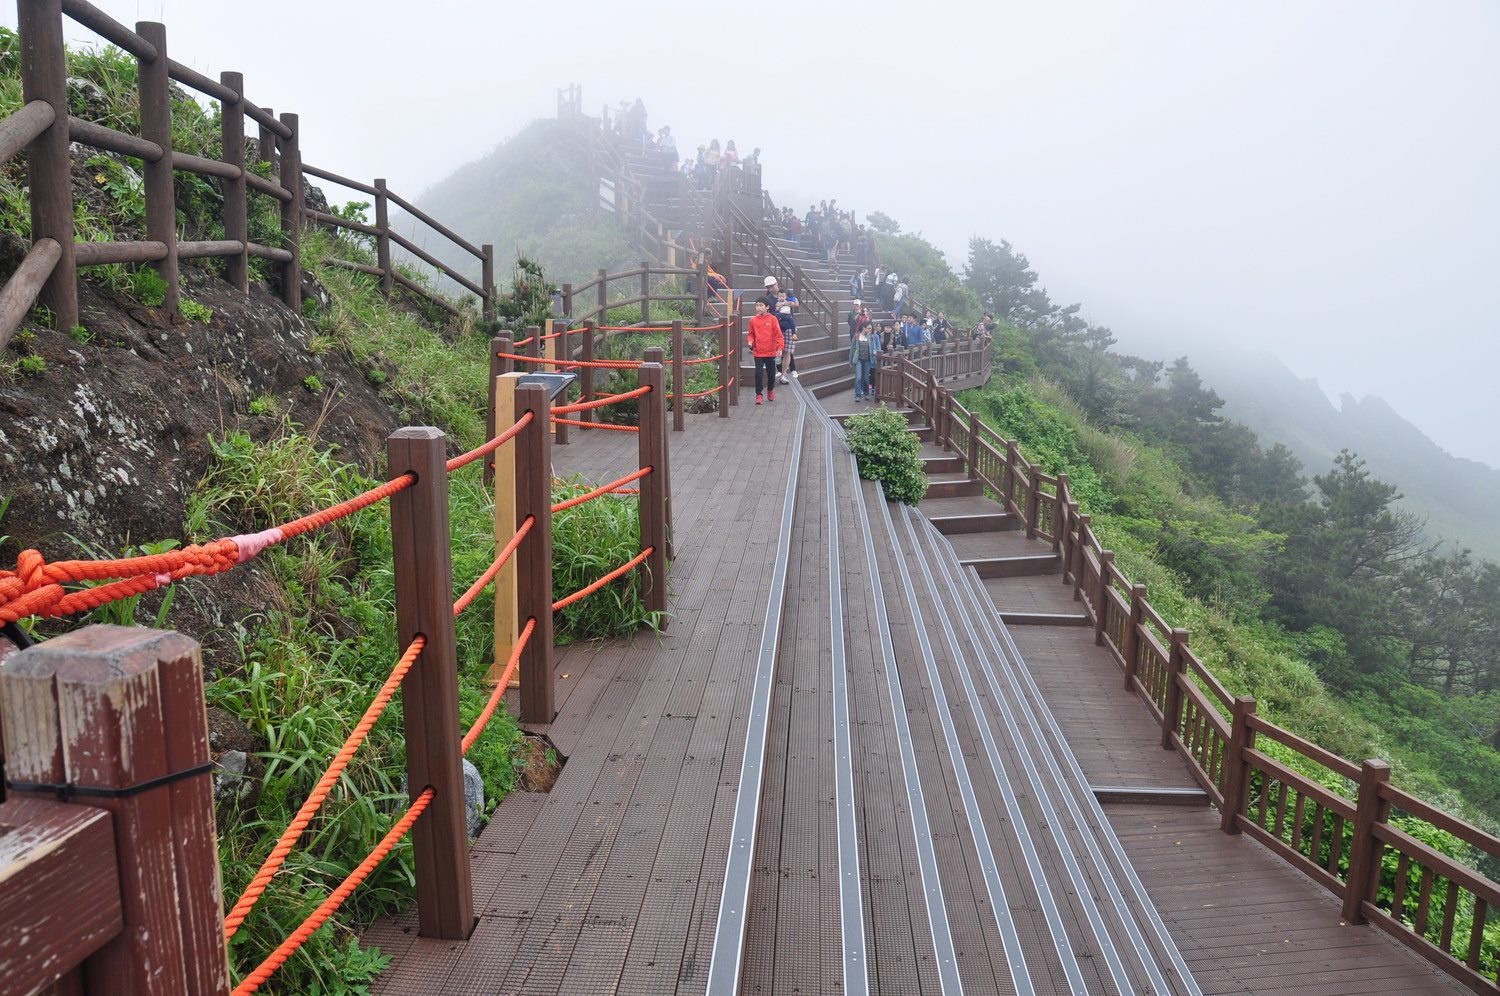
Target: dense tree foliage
{"x":1337,"y":573}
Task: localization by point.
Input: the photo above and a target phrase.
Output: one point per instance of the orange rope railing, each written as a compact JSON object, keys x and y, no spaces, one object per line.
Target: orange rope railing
{"x":706,"y":359}
{"x":288,"y":838}
{"x":35,"y":587}
{"x":491,"y":446}
{"x":500,"y":687}
{"x":656,"y":328}
{"x":597,"y":425}
{"x":335,"y":899}
{"x":606,"y":364}
{"x":617,"y":572}
{"x":489,"y":575}
{"x":701,"y":394}
{"x":600,"y":491}
{"x":583,"y":406}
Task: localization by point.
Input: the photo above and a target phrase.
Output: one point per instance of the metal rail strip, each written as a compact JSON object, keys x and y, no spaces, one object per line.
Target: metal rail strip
{"x":932,"y":887}
{"x":729,"y":930}
{"x":1055,"y":925}
{"x":851,"y":904}
{"x":1020,"y":679}
{"x":1009,"y":936}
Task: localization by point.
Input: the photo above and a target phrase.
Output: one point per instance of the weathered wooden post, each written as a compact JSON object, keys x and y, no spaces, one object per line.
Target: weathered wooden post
{"x":1236,"y":765}
{"x":1171,"y":713}
{"x":736,"y":344}
{"x":603,"y":297}
{"x":498,"y":366}
{"x":1366,"y":849}
{"x":156,"y":126}
{"x":1080,"y":548}
{"x":655,"y":355}
{"x":44,"y":77}
{"x":383,"y":239}
{"x":972,"y":457}
{"x":1059,"y":515}
{"x":679,"y":380}
{"x":422,"y":555}
{"x":236,"y":211}
{"x":702,"y":279}
{"x":1100,"y":595}
{"x":645,"y":291}
{"x":533,"y":347}
{"x":586,"y":372}
{"x":567,"y":300}
{"x":119,"y":712}
{"x":1008,"y":478}
{"x":652,"y":441}
{"x":507,"y":614}
{"x":760,"y":248}
{"x":291,"y":214}
{"x":266,"y":140}
{"x":487,"y":281}
{"x":726,"y":370}
{"x":534,"y":556}
{"x":1033,"y":499}
{"x":1132,"y":645}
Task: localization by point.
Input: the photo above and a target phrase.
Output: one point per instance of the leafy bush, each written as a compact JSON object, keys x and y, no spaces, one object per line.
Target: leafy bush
{"x":148,"y":287}
{"x":887,"y":452}
{"x":32,"y":366}
{"x":193,"y":311}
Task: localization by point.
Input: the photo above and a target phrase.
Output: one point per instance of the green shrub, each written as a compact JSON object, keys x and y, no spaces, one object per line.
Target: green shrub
{"x":313,"y":383}
{"x":193,"y":311}
{"x":887,"y":452}
{"x":264,"y":405}
{"x":81,"y":335}
{"x":32,"y":366}
{"x":148,"y":287}
{"x":589,"y":541}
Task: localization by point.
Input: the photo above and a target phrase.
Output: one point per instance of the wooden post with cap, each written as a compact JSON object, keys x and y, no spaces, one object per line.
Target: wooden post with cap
{"x":534,"y":556}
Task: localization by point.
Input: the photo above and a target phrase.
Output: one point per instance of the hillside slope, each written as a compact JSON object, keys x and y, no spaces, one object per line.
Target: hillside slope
{"x":1459,"y":498}
{"x":532,"y":195}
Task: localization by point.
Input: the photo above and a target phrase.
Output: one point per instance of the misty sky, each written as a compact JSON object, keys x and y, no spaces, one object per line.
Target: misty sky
{"x":1315,"y":179}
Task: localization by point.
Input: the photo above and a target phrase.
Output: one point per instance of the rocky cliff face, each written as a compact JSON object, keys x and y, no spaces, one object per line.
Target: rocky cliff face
{"x":101,"y":449}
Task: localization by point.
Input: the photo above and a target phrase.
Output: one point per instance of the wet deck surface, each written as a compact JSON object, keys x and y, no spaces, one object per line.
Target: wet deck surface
{"x":611,"y":883}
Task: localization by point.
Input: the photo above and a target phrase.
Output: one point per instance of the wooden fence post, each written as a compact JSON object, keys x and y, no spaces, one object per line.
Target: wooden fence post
{"x":1171,"y":713}
{"x":1236,"y":766}
{"x":533,"y":347}
{"x":112,"y":707}
{"x":156,"y":126}
{"x":726,"y":370}
{"x":383,"y":240}
{"x":1008,"y":478}
{"x":422,"y":555}
{"x":503,"y":461}
{"x":679,"y":380}
{"x":1366,"y":849}
{"x":266,"y":144}
{"x":645,"y":291}
{"x":291,"y":215}
{"x":487,"y":281}
{"x":736,"y":345}
{"x":586,"y":373}
{"x":702,"y":269}
{"x":498,"y":366}
{"x":534,"y":556}
{"x":1131,"y":649}
{"x":652,"y":441}
{"x":1100,"y":594}
{"x":932,"y":408}
{"x":603,"y":297}
{"x":1080,"y":548}
{"x":1033,"y":498}
{"x":1059,"y":515}
{"x":567,"y":297}
{"x":44,"y":76}
{"x":655,"y":355}
{"x":236,"y":211}
{"x":972,"y":457}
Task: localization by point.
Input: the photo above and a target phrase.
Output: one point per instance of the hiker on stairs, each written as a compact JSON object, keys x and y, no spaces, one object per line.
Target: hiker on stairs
{"x":764,"y":336}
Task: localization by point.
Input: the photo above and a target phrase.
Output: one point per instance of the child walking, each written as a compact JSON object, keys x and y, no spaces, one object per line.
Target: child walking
{"x":766,"y":343}
{"x":788,"y":323}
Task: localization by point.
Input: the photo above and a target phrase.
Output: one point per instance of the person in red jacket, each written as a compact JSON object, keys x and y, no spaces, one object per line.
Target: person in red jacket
{"x":766,"y":345}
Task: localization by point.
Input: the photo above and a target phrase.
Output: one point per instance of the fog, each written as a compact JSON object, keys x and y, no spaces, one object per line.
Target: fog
{"x":1315,"y":180}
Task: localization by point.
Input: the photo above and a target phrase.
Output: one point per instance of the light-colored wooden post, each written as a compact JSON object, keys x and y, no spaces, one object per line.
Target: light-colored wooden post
{"x":507,"y":619}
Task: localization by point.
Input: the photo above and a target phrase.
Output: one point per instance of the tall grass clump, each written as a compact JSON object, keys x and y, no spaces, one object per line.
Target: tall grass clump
{"x":589,"y":541}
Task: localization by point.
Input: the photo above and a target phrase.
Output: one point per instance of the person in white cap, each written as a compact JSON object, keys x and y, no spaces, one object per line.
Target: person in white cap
{"x":770,"y":295}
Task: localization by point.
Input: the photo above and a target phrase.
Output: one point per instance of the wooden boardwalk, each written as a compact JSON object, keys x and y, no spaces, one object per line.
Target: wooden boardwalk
{"x":984,"y":862}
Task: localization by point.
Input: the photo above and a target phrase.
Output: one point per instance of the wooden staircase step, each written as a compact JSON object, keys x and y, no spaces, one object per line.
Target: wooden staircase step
{"x":952,"y":486}
{"x":976,"y":522}
{"x":1011,"y":567}
{"x":1151,"y":795}
{"x":1013,"y":618}
{"x":946,"y":464}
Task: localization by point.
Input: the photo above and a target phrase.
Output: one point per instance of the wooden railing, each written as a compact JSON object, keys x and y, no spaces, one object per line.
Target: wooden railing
{"x":593,"y":300}
{"x":385,"y":236}
{"x":43,"y":129}
{"x":1251,"y":768}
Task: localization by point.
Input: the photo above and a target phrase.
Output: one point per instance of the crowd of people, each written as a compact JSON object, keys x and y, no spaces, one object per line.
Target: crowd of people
{"x":826,"y":230}
{"x":702,"y":169}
